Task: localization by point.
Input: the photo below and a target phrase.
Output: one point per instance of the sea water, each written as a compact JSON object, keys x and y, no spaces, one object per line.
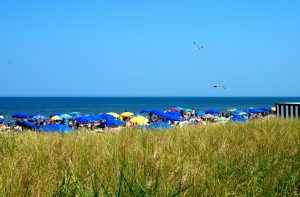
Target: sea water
{"x":93,"y":105}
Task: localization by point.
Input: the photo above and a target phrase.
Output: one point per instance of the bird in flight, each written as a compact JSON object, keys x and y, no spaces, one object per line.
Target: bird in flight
{"x":219,"y":86}
{"x":197,"y":47}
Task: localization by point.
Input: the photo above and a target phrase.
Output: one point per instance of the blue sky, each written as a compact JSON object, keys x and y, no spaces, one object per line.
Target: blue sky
{"x":145,"y":48}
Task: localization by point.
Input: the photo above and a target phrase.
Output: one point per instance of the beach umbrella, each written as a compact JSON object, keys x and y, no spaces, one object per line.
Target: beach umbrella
{"x":240,"y":113}
{"x":83,"y":120}
{"x":179,"y":108}
{"x":255,"y":111}
{"x":56,"y":118}
{"x":232,"y":109}
{"x":172,"y":109}
{"x":20,"y":115}
{"x":267,"y":109}
{"x":56,"y":114}
{"x":66,"y":116}
{"x":239,"y":119}
{"x":201,"y":113}
{"x":174,"y":113}
{"x":158,"y":113}
{"x":111,"y":123}
{"x":273,"y":108}
{"x":107,"y":116}
{"x":187,"y":110}
{"x":137,"y":115}
{"x":114,"y":114}
{"x":74,"y":113}
{"x":126,"y":114}
{"x":1,"y":120}
{"x":146,"y":111}
{"x":95,"y":117}
{"x":246,"y":111}
{"x":39,"y":117}
{"x":31,"y":115}
{"x":55,"y":128}
{"x":139,"y":119}
{"x":222,"y":119}
{"x":160,"y":125}
{"x":208,"y":116}
{"x":212,"y":111}
{"x":173,"y":118}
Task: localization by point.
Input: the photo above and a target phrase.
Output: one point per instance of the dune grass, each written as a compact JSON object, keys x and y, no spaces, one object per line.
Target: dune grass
{"x":256,"y":158}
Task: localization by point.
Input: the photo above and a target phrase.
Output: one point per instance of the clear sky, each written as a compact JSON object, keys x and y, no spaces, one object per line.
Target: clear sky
{"x":145,"y":48}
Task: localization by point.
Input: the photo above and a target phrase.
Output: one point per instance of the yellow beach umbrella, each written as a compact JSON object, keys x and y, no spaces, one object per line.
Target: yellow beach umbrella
{"x":55,"y":118}
{"x":273,"y":108}
{"x":126,"y":114}
{"x":139,"y":119}
{"x":114,"y":114}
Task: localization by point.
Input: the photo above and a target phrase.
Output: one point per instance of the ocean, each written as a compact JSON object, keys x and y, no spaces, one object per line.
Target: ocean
{"x":92,"y":105}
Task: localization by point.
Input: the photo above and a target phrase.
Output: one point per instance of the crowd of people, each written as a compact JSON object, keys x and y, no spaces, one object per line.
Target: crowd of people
{"x":146,"y":118}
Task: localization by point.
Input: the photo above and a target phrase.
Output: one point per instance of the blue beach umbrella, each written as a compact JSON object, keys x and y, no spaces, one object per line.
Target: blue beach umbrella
{"x":95,"y":117}
{"x":20,"y":115}
{"x":255,"y":111}
{"x":174,"y":113}
{"x":55,"y":128}
{"x":83,"y":120}
{"x":66,"y":116}
{"x":39,"y":117}
{"x":111,"y":123}
{"x":239,"y":119}
{"x":158,"y":113}
{"x":267,"y":109}
{"x":173,"y":118}
{"x":107,"y":116}
{"x":1,"y":120}
{"x":160,"y":125}
{"x":212,"y":111}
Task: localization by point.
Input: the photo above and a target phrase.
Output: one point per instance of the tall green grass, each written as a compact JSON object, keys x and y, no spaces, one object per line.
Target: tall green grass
{"x":256,"y":158}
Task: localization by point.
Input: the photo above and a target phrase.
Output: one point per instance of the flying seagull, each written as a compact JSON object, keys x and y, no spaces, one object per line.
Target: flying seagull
{"x":219,"y":86}
{"x":197,"y":47}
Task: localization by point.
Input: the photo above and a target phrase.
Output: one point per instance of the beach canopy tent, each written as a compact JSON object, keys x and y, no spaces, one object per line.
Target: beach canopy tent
{"x":239,"y":119}
{"x":114,"y":114}
{"x":160,"y":125}
{"x":139,"y":119}
{"x":56,"y":118}
{"x":107,"y":116}
{"x":84,"y":120}
{"x":146,"y":111}
{"x":66,"y":116}
{"x":112,"y":123}
{"x":1,"y":120}
{"x":56,"y":114}
{"x":20,"y":115}
{"x":55,"y":128}
{"x":212,"y":111}
{"x":95,"y":117}
{"x":267,"y":109}
{"x":255,"y":111}
{"x":39,"y":117}
{"x":126,"y":114}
